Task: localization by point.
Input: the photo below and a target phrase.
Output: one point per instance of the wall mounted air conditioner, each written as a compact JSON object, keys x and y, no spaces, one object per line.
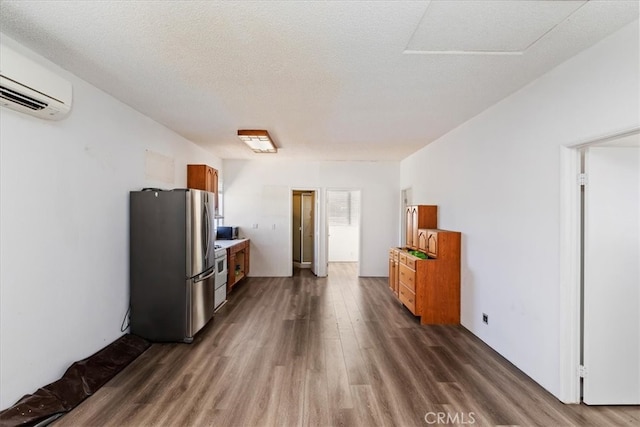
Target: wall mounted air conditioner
{"x":30,"y":88}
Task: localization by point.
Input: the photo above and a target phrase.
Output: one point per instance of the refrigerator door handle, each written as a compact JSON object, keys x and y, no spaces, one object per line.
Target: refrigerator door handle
{"x":206,"y":237}
{"x":200,"y":279}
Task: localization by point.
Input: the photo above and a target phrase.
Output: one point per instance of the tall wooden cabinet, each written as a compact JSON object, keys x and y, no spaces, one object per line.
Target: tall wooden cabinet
{"x":203,"y":177}
{"x":417,"y":217}
{"x":429,"y":288}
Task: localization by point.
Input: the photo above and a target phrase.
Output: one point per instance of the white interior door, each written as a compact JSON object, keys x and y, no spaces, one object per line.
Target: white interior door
{"x":309,"y":230}
{"x":612,"y":276}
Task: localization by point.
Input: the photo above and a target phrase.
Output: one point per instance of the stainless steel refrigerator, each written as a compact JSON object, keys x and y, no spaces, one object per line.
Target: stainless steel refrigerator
{"x":172,"y":264}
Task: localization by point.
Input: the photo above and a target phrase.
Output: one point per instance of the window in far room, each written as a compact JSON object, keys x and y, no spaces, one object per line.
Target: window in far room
{"x":343,"y":207}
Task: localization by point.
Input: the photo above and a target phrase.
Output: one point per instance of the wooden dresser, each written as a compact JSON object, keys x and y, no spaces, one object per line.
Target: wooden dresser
{"x":429,"y":288}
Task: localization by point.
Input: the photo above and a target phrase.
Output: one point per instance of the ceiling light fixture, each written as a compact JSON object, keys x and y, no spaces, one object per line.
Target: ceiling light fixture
{"x":258,"y":140}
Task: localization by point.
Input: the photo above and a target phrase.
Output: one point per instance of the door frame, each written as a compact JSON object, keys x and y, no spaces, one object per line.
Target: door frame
{"x":319,"y":241}
{"x":298,"y":198}
{"x":570,"y":258}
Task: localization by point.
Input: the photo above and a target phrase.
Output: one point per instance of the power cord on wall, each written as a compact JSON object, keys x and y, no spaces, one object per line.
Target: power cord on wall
{"x":124,"y":327}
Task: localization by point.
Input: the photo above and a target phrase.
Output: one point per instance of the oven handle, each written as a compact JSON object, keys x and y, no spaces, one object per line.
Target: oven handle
{"x":224,"y":264}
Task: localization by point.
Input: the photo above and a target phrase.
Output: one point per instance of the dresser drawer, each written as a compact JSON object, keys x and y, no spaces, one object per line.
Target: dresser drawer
{"x":407,"y":298}
{"x":411,"y":262}
{"x":402,"y":256}
{"x":408,"y":277}
{"x":407,"y":260}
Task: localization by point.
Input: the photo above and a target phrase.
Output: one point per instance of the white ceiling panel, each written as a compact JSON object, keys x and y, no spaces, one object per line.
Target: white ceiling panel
{"x":494,"y":26}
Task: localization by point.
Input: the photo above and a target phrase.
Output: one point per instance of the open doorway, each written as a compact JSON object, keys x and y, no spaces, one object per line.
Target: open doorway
{"x":303,"y":229}
{"x":343,"y":229}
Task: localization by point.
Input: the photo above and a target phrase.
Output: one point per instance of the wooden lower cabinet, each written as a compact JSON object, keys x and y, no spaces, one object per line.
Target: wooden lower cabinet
{"x":238,"y":263}
{"x":408,"y":276}
{"x":407,"y":298}
{"x":394,"y":272}
{"x":430,"y":288}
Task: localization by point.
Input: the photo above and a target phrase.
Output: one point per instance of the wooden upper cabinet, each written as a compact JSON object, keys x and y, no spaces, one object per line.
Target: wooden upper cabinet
{"x":443,"y":244}
{"x":212,"y":179}
{"x":419,"y":216}
{"x":432,"y":243}
{"x":409,"y":225}
{"x":414,"y":227}
{"x":203,"y":177}
{"x":422,"y":240}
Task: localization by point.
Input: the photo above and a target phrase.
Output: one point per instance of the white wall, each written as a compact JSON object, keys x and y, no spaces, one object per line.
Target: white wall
{"x":343,"y":243}
{"x":496,"y":179}
{"x":259,"y":192}
{"x":64,"y":285}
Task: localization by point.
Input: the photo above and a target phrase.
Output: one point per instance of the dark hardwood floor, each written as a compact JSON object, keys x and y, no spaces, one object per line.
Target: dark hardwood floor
{"x":335,"y":351}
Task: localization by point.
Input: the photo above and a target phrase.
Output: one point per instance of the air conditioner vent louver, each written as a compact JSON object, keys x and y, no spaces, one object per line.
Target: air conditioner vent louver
{"x":30,"y":88}
{"x":18,"y":98}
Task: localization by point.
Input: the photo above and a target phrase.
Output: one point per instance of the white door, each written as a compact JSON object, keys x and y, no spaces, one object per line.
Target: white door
{"x":612,"y":276}
{"x":309,"y":230}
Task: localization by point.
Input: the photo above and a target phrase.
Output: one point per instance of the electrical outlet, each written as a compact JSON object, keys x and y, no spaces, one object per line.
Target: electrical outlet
{"x":254,"y":226}
{"x":485,"y":318}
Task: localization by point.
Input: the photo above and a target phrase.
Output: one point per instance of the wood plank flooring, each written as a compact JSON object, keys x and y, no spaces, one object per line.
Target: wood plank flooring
{"x":335,"y":351}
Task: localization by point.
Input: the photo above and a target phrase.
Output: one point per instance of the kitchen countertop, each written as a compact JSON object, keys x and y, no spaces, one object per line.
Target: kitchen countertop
{"x":226,"y":244}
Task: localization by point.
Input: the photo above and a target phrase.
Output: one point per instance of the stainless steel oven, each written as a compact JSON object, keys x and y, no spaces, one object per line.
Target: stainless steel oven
{"x":220,"y":293}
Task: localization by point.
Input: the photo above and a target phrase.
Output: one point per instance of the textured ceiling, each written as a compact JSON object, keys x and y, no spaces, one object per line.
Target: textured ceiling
{"x":336,"y":80}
